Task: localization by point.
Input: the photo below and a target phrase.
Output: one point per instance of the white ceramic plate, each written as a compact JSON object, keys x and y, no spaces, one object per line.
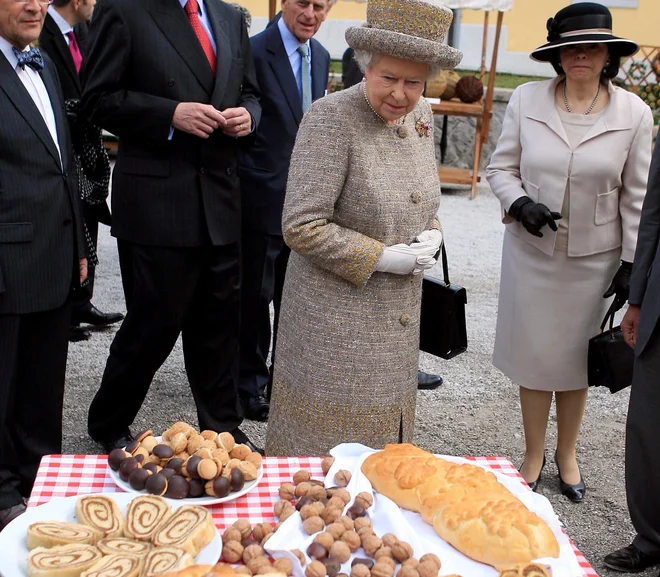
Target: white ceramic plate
{"x":204,"y":501}
{"x":13,"y":542}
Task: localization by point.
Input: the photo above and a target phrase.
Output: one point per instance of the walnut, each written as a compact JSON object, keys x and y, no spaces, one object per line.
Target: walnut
{"x":301,"y":476}
{"x":336,"y":530}
{"x":347,"y":522}
{"x":340,"y":492}
{"x":402,"y":551}
{"x":371,"y":544}
{"x":330,"y":514}
{"x":383,"y":552}
{"x":317,"y":492}
{"x":302,"y":489}
{"x":265,"y":538}
{"x":265,"y":569}
{"x":365,"y":532}
{"x":431,"y":557}
{"x":225,"y":441}
{"x":428,"y":568}
{"x":260,"y":530}
{"x":412,"y":562}
{"x":209,"y":435}
{"x":243,"y":570}
{"x":326,"y":464}
{"x":342,"y":477}
{"x":257,"y":563}
{"x":249,"y":471}
{"x":325,"y":539}
{"x":340,"y":551}
{"x":335,"y":502}
{"x":360,"y":570}
{"x":287,"y":491}
{"x":301,"y":556}
{"x":315,"y":569}
{"x":283,"y":565}
{"x":407,"y":572}
{"x":232,"y":552}
{"x":231,"y":534}
{"x":352,"y":539}
{"x":251,"y":552}
{"x":287,"y":513}
{"x":389,"y":561}
{"x":194,"y":443}
{"x":255,"y":458}
{"x":389,"y":540}
{"x":362,"y":522}
{"x":243,"y":525}
{"x":318,"y":507}
{"x":313,"y":525}
{"x":280,"y":506}
{"x":382,"y":570}
{"x":240,"y":452}
{"x":307,"y":511}
{"x":364,"y":499}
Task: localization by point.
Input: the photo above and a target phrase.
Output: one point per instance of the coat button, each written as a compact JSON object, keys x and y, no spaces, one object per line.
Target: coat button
{"x":170,"y":82}
{"x":404,"y":320}
{"x":416,"y":197}
{"x":229,"y":171}
{"x":201,"y":170}
{"x":402,"y":131}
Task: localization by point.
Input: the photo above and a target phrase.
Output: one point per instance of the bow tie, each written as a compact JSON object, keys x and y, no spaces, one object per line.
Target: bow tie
{"x":31,"y":58}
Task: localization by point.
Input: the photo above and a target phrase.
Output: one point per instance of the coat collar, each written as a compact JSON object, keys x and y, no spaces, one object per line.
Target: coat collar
{"x":60,"y":49}
{"x":542,"y":107}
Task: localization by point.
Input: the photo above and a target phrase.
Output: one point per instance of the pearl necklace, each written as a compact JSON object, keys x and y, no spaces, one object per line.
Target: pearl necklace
{"x":588,"y":109}
{"x":364,"y":91}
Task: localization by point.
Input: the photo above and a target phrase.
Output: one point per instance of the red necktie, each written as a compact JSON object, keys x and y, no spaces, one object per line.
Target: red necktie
{"x":192,"y":9}
{"x":75,"y":50}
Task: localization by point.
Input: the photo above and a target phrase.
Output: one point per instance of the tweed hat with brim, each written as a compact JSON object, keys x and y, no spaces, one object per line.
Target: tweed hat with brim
{"x":409,"y":29}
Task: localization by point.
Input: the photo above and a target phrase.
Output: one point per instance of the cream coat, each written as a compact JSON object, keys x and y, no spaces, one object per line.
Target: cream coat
{"x":607,"y":170}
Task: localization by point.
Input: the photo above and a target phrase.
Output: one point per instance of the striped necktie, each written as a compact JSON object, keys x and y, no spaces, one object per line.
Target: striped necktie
{"x":306,"y":77}
{"x":192,"y":10}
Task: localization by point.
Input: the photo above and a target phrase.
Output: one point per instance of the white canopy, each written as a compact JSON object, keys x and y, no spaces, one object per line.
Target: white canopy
{"x":500,"y":5}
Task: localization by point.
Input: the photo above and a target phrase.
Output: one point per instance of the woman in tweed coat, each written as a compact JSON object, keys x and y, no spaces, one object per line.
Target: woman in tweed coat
{"x":359,"y":216}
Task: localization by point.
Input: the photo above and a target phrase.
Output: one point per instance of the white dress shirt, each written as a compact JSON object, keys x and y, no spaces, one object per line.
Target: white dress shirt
{"x":291,"y":44}
{"x":35,"y":87}
{"x":62,"y":24}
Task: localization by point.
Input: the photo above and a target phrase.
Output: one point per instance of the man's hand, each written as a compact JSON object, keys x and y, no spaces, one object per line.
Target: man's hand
{"x":198,"y":119}
{"x":630,"y":325}
{"x":82,"y":268}
{"x":239,"y":122}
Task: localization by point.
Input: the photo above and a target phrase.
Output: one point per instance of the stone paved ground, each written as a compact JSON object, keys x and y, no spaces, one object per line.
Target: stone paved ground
{"x":474,"y":413}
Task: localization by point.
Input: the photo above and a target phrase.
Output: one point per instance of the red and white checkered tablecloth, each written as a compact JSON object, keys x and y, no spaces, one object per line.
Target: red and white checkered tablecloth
{"x":70,"y":475}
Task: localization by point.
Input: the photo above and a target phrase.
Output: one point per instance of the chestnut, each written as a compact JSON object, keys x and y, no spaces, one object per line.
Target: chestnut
{"x":237,"y":480}
{"x":177,"y":487}
{"x":363,"y":561}
{"x":138,"y":478}
{"x":332,"y":567}
{"x":300,"y":503}
{"x":115,"y":458}
{"x":317,"y":551}
{"x":356,"y":511}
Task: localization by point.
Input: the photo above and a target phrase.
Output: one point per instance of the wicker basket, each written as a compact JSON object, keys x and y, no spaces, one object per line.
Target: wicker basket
{"x":452,"y":79}
{"x":436,"y":87}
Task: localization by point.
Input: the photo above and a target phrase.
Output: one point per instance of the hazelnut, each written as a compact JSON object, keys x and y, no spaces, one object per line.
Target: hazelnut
{"x":225,"y":441}
{"x":301,"y":556}
{"x":317,"y":551}
{"x":315,"y":569}
{"x":389,"y":540}
{"x":207,"y":469}
{"x":336,"y":530}
{"x":287,"y":491}
{"x":231,"y":534}
{"x":330,"y":514}
{"x":364,"y":499}
{"x":255,"y":458}
{"x":431,"y":557}
{"x":412,"y":562}
{"x":260,"y":530}
{"x":371,"y":544}
{"x":389,"y":561}
{"x":251,"y":552}
{"x":240,"y":452}
{"x":232,"y":552}
{"x":243,"y":570}
{"x":221,"y":455}
{"x":209,"y":435}
{"x":360,"y":570}
{"x":342,"y":477}
{"x":194,"y":443}
{"x":347,"y":522}
{"x":307,"y":511}
{"x":427,"y":569}
{"x":335,"y":502}
{"x":280,"y":506}
{"x":382,"y":570}
{"x":249,"y":471}
{"x":362,"y":522}
{"x":313,"y":525}
{"x":301,"y":476}
{"x":317,"y":493}
{"x":352,"y":539}
{"x":243,"y":525}
{"x":407,"y":572}
{"x":325,"y":539}
{"x":257,"y":564}
{"x":368,"y":563}
{"x":340,"y":492}
{"x":340,"y":551}
{"x":179,"y":442}
{"x":402,"y":551}
{"x":318,"y":507}
{"x":326,"y":464}
{"x":383,"y":552}
{"x":283,"y":565}
{"x":302,"y":489}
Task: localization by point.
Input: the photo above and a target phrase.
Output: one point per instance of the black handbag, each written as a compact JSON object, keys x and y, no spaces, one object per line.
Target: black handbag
{"x":443,"y":332}
{"x":610,"y":361}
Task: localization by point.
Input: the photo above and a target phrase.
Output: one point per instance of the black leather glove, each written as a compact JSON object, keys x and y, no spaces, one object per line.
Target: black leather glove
{"x":533,"y":215}
{"x":620,"y":285}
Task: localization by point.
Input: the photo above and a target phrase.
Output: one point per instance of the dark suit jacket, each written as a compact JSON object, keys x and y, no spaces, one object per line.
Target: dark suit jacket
{"x":264,"y":168}
{"x":39,"y":217}
{"x":645,"y":279}
{"x":143,"y":60}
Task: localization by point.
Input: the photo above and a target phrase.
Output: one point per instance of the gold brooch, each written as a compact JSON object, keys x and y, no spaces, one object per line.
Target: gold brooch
{"x":423,"y":128}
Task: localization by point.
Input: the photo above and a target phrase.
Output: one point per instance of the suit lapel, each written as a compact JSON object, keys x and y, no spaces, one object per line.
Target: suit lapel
{"x":319,"y":73}
{"x":61,"y":50}
{"x":542,"y":108}
{"x":12,"y":86}
{"x":279,"y":63}
{"x":172,"y":20}
{"x":617,"y":116}
{"x":223,"y":49}
{"x":58,"y":111}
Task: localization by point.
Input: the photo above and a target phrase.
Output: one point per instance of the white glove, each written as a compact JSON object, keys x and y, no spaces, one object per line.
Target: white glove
{"x":407,"y":259}
{"x":432,"y":237}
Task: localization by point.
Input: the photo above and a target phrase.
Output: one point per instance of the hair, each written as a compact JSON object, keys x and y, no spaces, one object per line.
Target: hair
{"x":365,"y":58}
{"x":610,"y":71}
{"x":60,"y":3}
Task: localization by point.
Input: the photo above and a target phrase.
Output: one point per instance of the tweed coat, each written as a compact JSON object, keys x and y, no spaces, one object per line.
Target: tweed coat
{"x":348,"y":337}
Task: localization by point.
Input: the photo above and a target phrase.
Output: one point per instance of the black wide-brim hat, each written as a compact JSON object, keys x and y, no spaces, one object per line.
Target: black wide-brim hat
{"x":581,"y":23}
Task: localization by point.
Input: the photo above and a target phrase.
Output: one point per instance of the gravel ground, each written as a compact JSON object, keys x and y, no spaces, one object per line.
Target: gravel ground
{"x":474,"y":413}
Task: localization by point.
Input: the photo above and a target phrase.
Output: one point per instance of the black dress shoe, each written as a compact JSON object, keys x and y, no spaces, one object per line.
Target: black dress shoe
{"x":630,"y":560}
{"x":427,"y":382}
{"x":241,"y":437}
{"x":256,"y":408}
{"x":8,"y":515}
{"x":535,"y":484}
{"x":77,"y":334}
{"x":119,"y":443}
{"x":90,"y":315}
{"x":574,"y":492}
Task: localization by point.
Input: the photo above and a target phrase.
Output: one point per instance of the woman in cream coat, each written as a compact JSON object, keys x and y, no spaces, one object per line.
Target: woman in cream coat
{"x":570,"y":171}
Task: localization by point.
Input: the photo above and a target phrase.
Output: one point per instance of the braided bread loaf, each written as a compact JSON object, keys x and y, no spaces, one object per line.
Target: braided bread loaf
{"x":465,"y":504}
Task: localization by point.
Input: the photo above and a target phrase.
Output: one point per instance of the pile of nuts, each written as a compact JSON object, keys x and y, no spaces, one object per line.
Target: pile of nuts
{"x":186,"y":463}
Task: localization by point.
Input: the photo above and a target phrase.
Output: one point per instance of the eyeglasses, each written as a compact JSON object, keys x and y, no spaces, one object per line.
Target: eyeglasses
{"x":40,"y":2}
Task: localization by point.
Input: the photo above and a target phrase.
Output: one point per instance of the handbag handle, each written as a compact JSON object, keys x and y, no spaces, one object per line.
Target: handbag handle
{"x":442,"y":253}
{"x":609,"y":315}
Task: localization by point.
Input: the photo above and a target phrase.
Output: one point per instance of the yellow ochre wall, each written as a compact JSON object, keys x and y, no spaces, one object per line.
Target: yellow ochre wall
{"x":343,"y":10}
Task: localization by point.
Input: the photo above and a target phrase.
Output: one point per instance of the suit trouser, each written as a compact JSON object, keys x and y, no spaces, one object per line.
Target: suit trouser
{"x":33,"y":353}
{"x":280,"y":272}
{"x":643,"y":448}
{"x":189,"y":291}
{"x":81,"y":297}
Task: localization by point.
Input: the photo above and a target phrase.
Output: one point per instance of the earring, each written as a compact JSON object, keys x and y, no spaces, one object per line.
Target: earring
{"x":607,"y":63}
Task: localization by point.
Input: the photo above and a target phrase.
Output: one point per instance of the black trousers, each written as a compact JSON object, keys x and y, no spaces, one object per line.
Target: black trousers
{"x":263,"y":265}
{"x":82,"y":296}
{"x":33,"y":352}
{"x":189,"y":291}
{"x":643,"y":448}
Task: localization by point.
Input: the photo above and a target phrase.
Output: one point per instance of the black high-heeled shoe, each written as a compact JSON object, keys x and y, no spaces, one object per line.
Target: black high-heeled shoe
{"x":534,"y":484}
{"x":574,"y":492}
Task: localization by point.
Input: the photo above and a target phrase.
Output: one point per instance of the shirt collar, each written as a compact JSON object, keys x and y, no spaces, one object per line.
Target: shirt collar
{"x":62,"y":24}
{"x":6,"y":48}
{"x":291,"y":43}
{"x":200,"y":3}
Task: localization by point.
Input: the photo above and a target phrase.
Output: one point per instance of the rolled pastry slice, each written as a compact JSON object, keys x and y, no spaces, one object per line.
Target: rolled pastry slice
{"x":162,"y":560}
{"x":52,"y":533}
{"x":144,"y":515}
{"x":117,"y":565}
{"x":62,"y":560}
{"x":114,"y":545}
{"x":190,"y":528}
{"x":101,"y":513}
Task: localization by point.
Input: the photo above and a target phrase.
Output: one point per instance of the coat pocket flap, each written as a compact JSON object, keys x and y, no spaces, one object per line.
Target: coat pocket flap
{"x":16,"y":232}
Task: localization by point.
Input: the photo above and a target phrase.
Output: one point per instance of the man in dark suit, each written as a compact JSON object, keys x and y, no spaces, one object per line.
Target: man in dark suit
{"x":641,"y":331}
{"x":175,"y":81}
{"x":292,"y":70}
{"x":40,"y":254}
{"x":63,"y":39}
